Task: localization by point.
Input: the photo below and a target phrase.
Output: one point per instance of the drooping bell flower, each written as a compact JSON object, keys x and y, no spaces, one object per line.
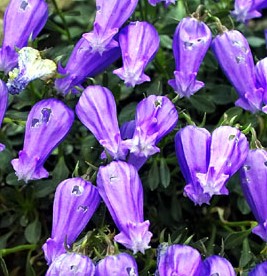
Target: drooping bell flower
{"x":3,"y":105}
{"x":254,"y":185}
{"x":155,"y":117}
{"x":110,"y":16}
{"x":121,"y":189}
{"x":259,"y":270}
{"x":179,"y":260}
{"x":75,"y":202}
{"x":81,"y":64}
{"x":261,"y":77}
{"x":23,"y":20}
{"x":155,"y":2}
{"x":248,"y":9}
{"x":122,"y":264}
{"x":97,"y":110}
{"x":191,"y":41}
{"x":216,"y":265}
{"x":69,"y":264}
{"x":139,"y":42}
{"x":232,"y":52}
{"x":30,"y":67}
{"x":48,"y":123}
{"x":208,"y":161}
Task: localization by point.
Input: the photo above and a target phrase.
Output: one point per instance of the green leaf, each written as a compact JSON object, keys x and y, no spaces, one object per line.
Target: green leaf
{"x":235,"y":239}
{"x":165,"y":176}
{"x":255,"y":41}
{"x":202,"y":103}
{"x":32,"y":232}
{"x":166,"y":41}
{"x":153,"y":176}
{"x":3,"y":267}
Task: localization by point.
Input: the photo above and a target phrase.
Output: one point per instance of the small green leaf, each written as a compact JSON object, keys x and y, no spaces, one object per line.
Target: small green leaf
{"x":153,"y":176}
{"x":32,"y":232}
{"x":165,"y":176}
{"x":235,"y":239}
{"x":202,"y":103}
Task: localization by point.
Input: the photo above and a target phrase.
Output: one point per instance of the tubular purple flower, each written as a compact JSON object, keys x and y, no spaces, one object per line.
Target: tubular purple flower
{"x":179,"y":260}
{"x":234,"y":56}
{"x":3,"y":105}
{"x":48,"y":123}
{"x":156,"y":116}
{"x":83,"y":63}
{"x":155,"y":2}
{"x":110,"y":16}
{"x":96,"y":109}
{"x":71,"y":264}
{"x":208,"y":161}
{"x":254,"y":185}
{"x":120,"y":180}
{"x":261,"y":77}
{"x":139,"y":42}
{"x":216,"y":265}
{"x":122,"y":264}
{"x":75,"y":202}
{"x":259,"y":270}
{"x":191,"y":41}
{"x":32,"y":16}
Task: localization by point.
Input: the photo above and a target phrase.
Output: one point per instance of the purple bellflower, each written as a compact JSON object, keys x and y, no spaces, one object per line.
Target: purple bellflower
{"x":139,"y":42}
{"x":75,"y":202}
{"x":191,"y":41}
{"x":110,"y":16}
{"x":216,"y":265}
{"x":261,"y":77}
{"x":96,"y":109}
{"x":248,"y":9}
{"x":122,"y":264}
{"x":81,"y":64}
{"x":32,"y":16}
{"x":30,"y":67}
{"x":179,"y":260}
{"x":48,"y":123}
{"x":234,"y":56}
{"x":254,"y":185}
{"x":70,"y":264}
{"x":121,"y":189}
{"x":155,"y":117}
{"x":259,"y":270}
{"x":3,"y":105}
{"x":155,"y":2}
{"x":208,"y":161}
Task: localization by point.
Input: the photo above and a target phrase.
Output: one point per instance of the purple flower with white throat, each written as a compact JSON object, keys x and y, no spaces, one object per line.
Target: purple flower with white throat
{"x":75,"y":202}
{"x":3,"y":105}
{"x":208,"y":161}
{"x":254,"y":185}
{"x":110,"y":16}
{"x":248,"y":9}
{"x":121,"y":189}
{"x":179,"y":260}
{"x":155,"y":117}
{"x":97,"y":110}
{"x":81,"y":64}
{"x":122,"y":264}
{"x":191,"y":41}
{"x":48,"y":123}
{"x":216,"y":265}
{"x":71,"y":264}
{"x":23,"y":20}
{"x":232,"y":52}
{"x":139,"y":42}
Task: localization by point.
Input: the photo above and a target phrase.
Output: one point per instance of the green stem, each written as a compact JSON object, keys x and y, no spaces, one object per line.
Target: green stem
{"x":59,"y":12}
{"x":7,"y":251}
